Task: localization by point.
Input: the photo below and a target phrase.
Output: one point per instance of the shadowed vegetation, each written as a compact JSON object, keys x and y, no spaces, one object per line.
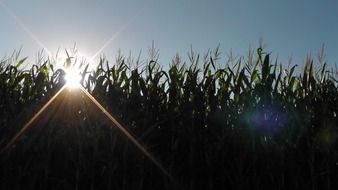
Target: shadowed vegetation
{"x":248,"y":124}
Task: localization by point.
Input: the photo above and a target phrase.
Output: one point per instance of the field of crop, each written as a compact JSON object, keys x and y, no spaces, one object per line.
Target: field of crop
{"x":248,"y":124}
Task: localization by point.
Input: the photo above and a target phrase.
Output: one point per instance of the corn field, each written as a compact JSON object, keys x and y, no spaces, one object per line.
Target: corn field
{"x":251,"y":123}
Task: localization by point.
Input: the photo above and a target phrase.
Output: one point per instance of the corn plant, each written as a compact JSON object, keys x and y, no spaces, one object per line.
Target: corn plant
{"x":246,"y":124}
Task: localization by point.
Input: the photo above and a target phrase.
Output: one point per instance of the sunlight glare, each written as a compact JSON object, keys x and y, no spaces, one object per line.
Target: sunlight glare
{"x":73,"y":78}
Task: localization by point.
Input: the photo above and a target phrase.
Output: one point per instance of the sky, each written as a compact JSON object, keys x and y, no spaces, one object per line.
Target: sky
{"x":288,"y":28}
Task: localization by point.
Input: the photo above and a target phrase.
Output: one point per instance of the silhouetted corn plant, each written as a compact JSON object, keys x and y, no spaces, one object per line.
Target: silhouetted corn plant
{"x":247,"y":124}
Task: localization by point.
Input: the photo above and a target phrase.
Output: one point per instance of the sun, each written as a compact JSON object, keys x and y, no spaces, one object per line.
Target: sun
{"x":72,"y":78}
{"x":71,"y":64}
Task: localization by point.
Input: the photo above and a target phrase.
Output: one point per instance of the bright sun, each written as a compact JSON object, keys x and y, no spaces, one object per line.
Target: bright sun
{"x":70,"y":65}
{"x":72,"y":77}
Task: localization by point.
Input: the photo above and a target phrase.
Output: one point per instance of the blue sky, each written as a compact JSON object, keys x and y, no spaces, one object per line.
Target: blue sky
{"x":288,"y":27}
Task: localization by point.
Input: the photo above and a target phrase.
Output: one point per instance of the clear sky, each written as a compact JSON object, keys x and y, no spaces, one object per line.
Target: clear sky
{"x":288,"y":27}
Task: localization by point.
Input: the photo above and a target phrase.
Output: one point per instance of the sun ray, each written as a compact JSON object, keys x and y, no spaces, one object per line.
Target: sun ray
{"x":108,"y":115}
{"x":130,"y":137}
{"x":35,"y":116}
{"x":25,"y":28}
{"x":122,"y":29}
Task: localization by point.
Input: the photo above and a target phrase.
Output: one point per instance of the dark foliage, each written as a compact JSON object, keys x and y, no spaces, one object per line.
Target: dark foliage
{"x":256,"y":126}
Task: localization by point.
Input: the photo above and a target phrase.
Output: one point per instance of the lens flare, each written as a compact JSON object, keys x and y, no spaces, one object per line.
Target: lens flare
{"x":34,"y":117}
